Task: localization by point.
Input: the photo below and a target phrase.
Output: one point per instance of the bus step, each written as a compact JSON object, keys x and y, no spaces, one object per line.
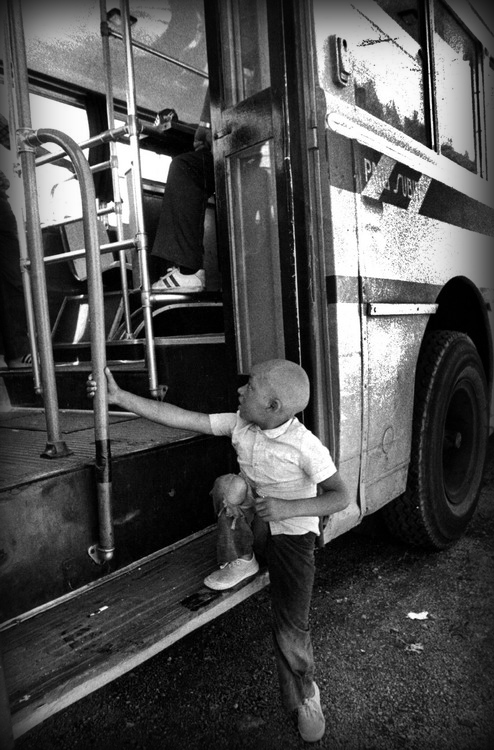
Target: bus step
{"x":182,"y":363}
{"x":54,"y":657}
{"x":161,"y":480}
{"x":71,"y":378}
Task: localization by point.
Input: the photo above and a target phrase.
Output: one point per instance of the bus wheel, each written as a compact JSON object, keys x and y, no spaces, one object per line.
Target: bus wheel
{"x":449,"y":441}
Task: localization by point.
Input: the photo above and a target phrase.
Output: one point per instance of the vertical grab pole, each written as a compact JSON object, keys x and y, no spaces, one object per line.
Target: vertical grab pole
{"x":104,"y":550}
{"x":117,"y":200}
{"x":55,"y":447}
{"x":141,"y":237}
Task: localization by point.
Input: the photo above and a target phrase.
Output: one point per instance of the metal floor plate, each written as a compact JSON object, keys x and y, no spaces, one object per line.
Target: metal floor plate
{"x":23,"y":440}
{"x":58,"y":655}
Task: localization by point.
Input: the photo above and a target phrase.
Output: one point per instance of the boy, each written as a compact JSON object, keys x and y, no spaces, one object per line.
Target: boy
{"x":274,"y":510}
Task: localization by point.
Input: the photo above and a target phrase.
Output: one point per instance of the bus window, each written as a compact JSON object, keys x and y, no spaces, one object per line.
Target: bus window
{"x":455,"y":76}
{"x":253,"y":222}
{"x":154,"y":167}
{"x":384,"y":45}
{"x":65,"y":36}
{"x":246,"y":71}
{"x":58,"y":190}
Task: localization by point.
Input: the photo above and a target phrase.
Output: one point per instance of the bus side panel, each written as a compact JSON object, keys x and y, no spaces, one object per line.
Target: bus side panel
{"x":405,"y":259}
{"x":406,"y":222}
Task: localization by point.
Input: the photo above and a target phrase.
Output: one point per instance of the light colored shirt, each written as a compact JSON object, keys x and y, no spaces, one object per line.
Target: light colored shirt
{"x":287,"y":462}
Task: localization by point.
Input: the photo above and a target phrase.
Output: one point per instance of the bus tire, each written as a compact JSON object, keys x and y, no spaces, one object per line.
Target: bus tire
{"x":449,"y":442}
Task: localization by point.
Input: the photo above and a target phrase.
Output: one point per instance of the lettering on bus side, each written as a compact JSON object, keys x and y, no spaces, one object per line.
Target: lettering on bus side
{"x":386,"y":180}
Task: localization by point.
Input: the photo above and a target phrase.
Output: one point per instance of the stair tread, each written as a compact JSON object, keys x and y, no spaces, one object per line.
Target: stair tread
{"x":62,"y":653}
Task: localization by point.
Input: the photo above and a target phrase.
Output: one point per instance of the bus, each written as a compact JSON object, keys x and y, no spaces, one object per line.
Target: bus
{"x":350,"y":231}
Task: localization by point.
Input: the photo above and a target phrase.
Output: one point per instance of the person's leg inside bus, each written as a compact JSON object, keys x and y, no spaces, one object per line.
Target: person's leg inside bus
{"x":179,"y":235}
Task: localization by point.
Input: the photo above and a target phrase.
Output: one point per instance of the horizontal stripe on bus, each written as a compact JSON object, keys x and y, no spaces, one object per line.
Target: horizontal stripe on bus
{"x":388,"y":309}
{"x":382,"y":179}
{"x":358,"y":126}
{"x":345,"y":289}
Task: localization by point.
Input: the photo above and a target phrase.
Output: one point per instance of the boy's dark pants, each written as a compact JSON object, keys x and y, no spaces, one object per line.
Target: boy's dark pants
{"x":291,"y":566}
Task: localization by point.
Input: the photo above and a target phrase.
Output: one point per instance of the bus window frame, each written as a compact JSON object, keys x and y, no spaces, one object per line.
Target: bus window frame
{"x":55,"y":90}
{"x":342,"y":107}
{"x":478,"y":101}
{"x":383,"y":20}
{"x":427,"y":11}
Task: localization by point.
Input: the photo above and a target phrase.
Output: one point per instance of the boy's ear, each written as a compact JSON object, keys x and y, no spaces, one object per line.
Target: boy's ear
{"x":275,"y":405}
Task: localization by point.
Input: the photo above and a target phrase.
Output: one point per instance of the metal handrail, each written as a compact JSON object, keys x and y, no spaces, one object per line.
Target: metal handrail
{"x":105,"y":548}
{"x":76,"y":254}
{"x":109,"y":209}
{"x":27,"y":142}
{"x":112,"y":135}
{"x":107,"y":136}
{"x":110,"y":113}
{"x":55,"y":446}
{"x":141,"y":239}
{"x":162,"y":55}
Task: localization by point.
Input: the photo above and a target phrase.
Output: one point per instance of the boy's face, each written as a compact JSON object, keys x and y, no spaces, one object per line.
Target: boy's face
{"x":254,"y":398}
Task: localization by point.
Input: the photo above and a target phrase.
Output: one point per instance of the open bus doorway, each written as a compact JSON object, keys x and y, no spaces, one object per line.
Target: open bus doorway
{"x":66,"y":89}
{"x":161,"y":482}
{"x":169,"y":74}
{"x":250,"y":263}
{"x":202,"y":343}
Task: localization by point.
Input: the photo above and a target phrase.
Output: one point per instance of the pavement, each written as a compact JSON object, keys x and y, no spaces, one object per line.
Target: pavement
{"x":404,"y":647}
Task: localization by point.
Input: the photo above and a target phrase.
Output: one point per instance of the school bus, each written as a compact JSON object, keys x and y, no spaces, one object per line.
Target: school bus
{"x":350,"y":231}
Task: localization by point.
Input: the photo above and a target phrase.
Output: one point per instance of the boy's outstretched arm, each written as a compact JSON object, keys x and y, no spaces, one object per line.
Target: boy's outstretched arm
{"x":156,"y":411}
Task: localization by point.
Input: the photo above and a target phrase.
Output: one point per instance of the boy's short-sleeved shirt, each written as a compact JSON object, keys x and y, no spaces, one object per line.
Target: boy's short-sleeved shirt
{"x":287,"y":462}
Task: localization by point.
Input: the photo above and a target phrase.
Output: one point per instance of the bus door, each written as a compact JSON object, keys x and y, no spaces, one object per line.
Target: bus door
{"x":253,"y":194}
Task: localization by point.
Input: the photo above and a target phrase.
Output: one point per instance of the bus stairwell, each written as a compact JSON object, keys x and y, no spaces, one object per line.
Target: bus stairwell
{"x":103,"y":549}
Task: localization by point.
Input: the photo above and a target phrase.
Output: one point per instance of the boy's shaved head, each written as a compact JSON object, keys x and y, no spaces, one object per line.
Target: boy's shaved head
{"x":287,"y":381}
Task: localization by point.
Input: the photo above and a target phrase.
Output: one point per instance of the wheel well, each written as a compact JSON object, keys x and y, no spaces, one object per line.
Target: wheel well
{"x":461,"y":308}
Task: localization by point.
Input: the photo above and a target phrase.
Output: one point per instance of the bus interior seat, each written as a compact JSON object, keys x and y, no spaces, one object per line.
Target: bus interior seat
{"x":61,"y":280}
{"x":72,"y":235}
{"x":67,"y":281}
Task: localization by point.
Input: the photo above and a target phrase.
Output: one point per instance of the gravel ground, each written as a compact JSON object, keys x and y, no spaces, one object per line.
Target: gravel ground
{"x":387,"y":681}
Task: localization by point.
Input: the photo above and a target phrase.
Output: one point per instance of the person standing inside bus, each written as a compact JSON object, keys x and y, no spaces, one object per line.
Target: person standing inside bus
{"x":13,"y":322}
{"x":178,"y":245}
{"x":274,"y":515}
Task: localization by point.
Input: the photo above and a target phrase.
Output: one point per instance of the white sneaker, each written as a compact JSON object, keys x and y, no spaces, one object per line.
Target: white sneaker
{"x":232,"y":573}
{"x":175,"y":282}
{"x":311,"y":721}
